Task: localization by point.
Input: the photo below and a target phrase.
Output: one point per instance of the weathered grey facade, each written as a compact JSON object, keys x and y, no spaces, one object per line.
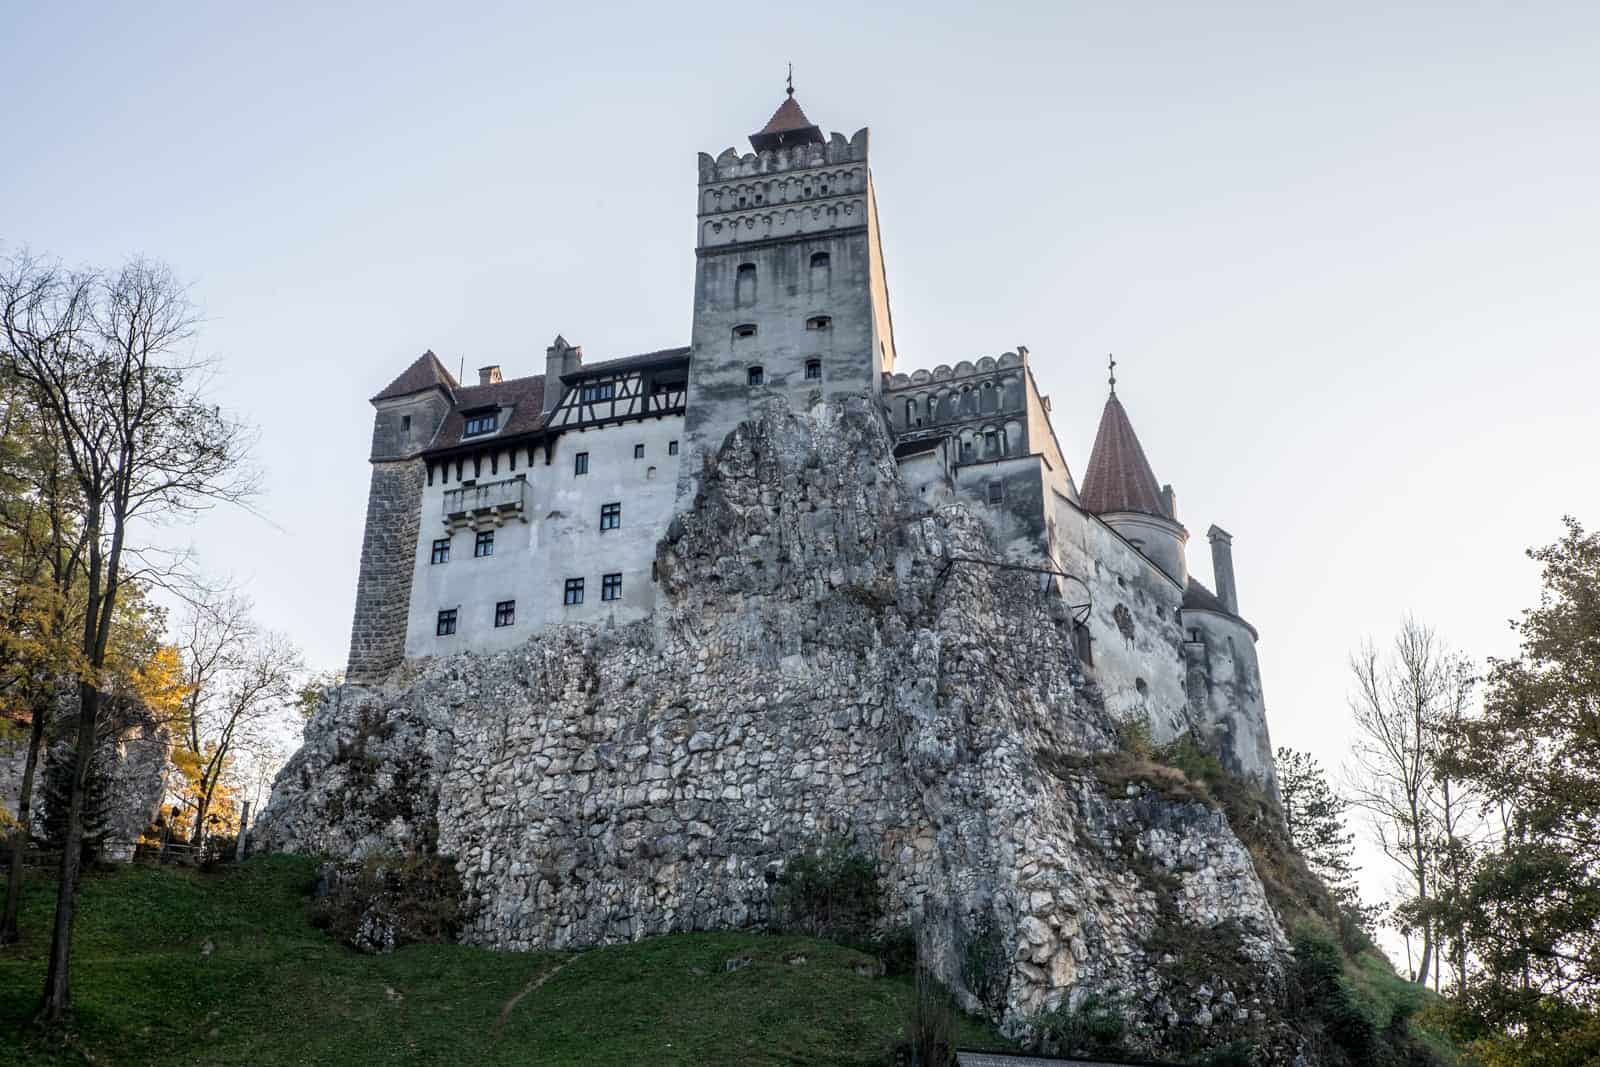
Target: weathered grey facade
{"x":791,"y":302}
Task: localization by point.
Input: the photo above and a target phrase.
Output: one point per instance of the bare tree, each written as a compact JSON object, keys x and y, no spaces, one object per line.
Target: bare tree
{"x":243,"y":685}
{"x":102,"y":355}
{"x":1399,"y":705}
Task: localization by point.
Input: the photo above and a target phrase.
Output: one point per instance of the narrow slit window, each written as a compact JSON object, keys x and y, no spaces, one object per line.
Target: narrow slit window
{"x":638,"y":451}
{"x":580,"y":464}
{"x":745,"y":285}
{"x":821,"y":272}
{"x":672,"y":448}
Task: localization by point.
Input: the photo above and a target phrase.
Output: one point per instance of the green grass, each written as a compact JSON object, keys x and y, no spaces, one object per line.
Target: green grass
{"x":275,"y":990}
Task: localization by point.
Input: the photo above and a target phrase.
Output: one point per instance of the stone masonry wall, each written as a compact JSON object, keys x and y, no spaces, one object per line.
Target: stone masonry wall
{"x":388,"y":553}
{"x":813,"y":669}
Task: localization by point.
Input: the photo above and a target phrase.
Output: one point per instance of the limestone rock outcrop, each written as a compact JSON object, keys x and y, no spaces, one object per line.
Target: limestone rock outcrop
{"x":818,"y":666}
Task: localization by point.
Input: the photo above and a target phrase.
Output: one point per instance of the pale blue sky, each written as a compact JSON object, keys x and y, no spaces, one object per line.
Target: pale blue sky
{"x":1345,"y":253}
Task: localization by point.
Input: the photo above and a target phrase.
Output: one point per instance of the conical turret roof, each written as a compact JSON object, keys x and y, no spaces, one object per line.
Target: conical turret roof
{"x":1119,"y":477}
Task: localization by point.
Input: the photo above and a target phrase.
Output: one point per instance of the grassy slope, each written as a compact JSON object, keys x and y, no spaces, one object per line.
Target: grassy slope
{"x":275,"y":990}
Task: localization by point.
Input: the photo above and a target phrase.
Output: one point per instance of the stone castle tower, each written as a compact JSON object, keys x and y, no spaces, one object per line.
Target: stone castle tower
{"x":790,"y":294}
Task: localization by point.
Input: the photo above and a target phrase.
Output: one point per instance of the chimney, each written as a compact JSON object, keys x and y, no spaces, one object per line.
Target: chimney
{"x":1222,"y":567}
{"x":1169,"y":500}
{"x":489,"y":375}
{"x":560,"y":358}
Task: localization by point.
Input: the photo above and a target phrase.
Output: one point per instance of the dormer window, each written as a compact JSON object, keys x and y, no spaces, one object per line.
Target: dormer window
{"x":480,"y":423}
{"x":589,"y":394}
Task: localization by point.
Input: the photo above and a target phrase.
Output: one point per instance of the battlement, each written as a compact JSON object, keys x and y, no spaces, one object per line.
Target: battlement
{"x":730,"y":164}
{"x":964,"y":369}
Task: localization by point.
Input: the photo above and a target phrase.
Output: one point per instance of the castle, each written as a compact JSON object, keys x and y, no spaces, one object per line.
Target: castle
{"x":505,"y":506}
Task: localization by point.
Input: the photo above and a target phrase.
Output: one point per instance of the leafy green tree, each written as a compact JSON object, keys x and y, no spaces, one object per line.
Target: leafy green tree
{"x":102,"y":357}
{"x":1531,"y":908}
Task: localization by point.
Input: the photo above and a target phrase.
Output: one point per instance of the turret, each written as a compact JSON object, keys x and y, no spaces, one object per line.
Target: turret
{"x":1120,"y":487}
{"x":791,"y":299}
{"x":409,"y":413}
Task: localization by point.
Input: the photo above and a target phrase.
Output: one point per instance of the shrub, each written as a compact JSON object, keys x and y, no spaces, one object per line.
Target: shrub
{"x":384,"y":902}
{"x":897,"y":948}
{"x":830,"y":892}
{"x":1095,"y":1027}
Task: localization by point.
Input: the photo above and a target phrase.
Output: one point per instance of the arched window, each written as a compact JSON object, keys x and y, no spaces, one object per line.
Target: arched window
{"x":819,"y":322}
{"x":987,"y":401}
{"x":745,"y":292}
{"x":744,"y":331}
{"x":911,"y":413}
{"x":755,"y":376}
{"x":969,"y":401}
{"x":821,"y":272}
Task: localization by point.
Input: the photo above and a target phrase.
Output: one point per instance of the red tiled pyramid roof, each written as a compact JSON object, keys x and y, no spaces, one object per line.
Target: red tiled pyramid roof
{"x":788,"y":117}
{"x":1119,"y":477}
{"x":426,"y":373}
{"x":788,"y":125}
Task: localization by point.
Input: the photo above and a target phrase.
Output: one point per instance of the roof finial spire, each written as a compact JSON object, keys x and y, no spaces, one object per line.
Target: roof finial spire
{"x":1112,"y":365}
{"x":791,"y":79}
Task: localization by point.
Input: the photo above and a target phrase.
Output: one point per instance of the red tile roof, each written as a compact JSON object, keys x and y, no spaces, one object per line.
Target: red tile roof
{"x":1119,"y":477}
{"x":788,"y":125}
{"x":426,"y":373}
{"x":524,"y":396}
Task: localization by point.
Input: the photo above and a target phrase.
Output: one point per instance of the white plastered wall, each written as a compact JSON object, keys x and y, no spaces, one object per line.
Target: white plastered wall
{"x":561,"y":539}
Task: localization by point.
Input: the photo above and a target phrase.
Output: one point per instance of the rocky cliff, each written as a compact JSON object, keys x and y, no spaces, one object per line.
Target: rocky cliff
{"x":818,"y":667}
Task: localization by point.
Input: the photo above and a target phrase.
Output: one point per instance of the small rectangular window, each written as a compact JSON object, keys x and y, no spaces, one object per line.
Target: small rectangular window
{"x":813,"y":370}
{"x":997,"y":492}
{"x":611,"y":587}
{"x":573,"y":594}
{"x":405,"y":423}
{"x":672,"y":448}
{"x":481,"y":424}
{"x":580,"y":464}
{"x":755,"y":376}
{"x":819,"y":322}
{"x":446,"y":624}
{"x":441,"y":550}
{"x":505,"y":613}
{"x":610,"y":516}
{"x":638,"y":451}
{"x":484,"y":544}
